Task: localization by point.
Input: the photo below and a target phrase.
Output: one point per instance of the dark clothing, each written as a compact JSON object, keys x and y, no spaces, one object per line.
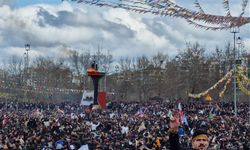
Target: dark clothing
{"x":174,"y":142}
{"x":32,"y":124}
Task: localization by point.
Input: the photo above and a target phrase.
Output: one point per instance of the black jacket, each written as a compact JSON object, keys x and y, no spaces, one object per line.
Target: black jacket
{"x":174,"y":142}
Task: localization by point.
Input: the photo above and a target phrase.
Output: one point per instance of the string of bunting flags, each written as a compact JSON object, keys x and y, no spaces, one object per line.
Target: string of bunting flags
{"x":221,"y":94}
{"x":241,"y":77}
{"x":245,"y":79}
{"x":241,"y":86}
{"x":47,"y":90}
{"x":241,"y":72}
{"x":198,"y":18}
{"x":202,"y":94}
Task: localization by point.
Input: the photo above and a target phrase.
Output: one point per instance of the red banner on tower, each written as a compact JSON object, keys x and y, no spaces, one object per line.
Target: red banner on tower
{"x":102,"y":99}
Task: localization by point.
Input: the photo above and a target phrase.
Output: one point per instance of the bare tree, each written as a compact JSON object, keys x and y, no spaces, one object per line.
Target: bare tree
{"x":125,"y":64}
{"x":143,"y":68}
{"x":14,"y":74}
{"x":193,"y":68}
{"x":124,"y":79}
{"x":159,"y":62}
{"x":15,"y":65}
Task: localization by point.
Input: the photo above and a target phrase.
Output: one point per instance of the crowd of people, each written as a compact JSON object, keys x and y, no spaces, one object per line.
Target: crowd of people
{"x":121,"y":126}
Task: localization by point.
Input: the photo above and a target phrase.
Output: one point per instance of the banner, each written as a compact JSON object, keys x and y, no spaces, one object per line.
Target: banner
{"x":87,"y":98}
{"x":102,"y":99}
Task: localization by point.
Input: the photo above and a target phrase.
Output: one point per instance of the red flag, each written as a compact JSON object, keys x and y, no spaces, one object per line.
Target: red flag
{"x":181,"y":117}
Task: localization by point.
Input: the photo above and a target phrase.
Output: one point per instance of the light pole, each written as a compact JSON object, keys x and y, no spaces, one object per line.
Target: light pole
{"x":27,"y":49}
{"x":117,"y":83}
{"x":248,"y":69}
{"x":239,"y":41}
{"x":239,"y":59}
{"x":234,"y":30}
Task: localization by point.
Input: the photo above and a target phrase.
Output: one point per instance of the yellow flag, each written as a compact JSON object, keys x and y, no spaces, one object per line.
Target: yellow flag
{"x":208,"y":97}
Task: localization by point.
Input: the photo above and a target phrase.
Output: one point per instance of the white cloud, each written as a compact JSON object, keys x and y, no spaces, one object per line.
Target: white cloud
{"x":247,"y":44}
{"x":47,"y":27}
{"x":7,"y":2}
{"x":121,"y":16}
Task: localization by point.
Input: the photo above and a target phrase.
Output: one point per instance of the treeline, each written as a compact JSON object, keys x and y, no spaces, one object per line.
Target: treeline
{"x":193,"y":70}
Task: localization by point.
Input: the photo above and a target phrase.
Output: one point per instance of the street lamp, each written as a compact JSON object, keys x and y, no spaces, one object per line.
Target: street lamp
{"x":234,"y":30}
{"x":239,"y":41}
{"x":27,"y":48}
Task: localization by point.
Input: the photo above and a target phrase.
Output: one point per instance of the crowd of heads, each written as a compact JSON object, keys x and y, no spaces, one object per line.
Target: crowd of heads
{"x":123,"y":125}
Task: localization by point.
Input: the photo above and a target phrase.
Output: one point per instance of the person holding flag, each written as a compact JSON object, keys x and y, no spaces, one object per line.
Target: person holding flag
{"x":199,"y":139}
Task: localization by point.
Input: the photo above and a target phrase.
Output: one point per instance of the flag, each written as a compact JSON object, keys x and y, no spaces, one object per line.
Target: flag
{"x":96,"y":107}
{"x":180,"y":112}
{"x":208,"y":98}
{"x":180,"y":131}
{"x":59,"y":144}
{"x":179,"y":107}
{"x":181,"y":117}
{"x":84,"y":147}
{"x":60,"y":111}
{"x":170,"y":114}
{"x":211,"y":115}
{"x":184,"y":119}
{"x":142,"y":127}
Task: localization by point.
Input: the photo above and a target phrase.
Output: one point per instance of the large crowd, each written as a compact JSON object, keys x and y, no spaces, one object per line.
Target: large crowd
{"x":121,"y":126}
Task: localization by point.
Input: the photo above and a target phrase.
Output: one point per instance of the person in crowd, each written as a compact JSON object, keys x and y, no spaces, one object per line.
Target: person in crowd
{"x":124,"y":126}
{"x":199,"y":139}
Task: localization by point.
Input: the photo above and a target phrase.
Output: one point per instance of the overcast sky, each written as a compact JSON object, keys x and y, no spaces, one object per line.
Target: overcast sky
{"x":51,"y":27}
